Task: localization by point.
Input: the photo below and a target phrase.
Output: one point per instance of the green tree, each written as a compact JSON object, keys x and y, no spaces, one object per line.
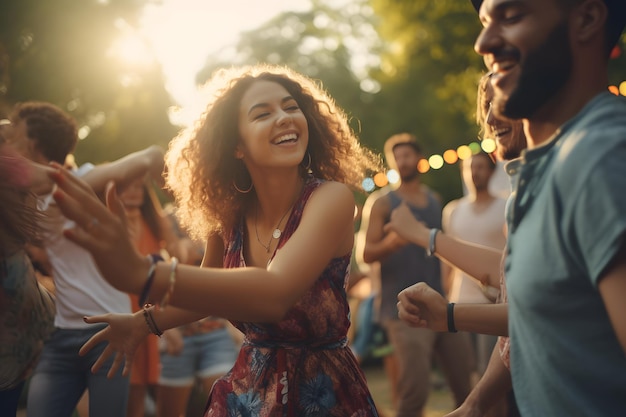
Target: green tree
{"x":428,"y":77}
{"x":60,"y":51}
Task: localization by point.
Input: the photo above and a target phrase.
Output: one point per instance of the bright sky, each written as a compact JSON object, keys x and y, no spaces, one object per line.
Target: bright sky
{"x":183,"y":33}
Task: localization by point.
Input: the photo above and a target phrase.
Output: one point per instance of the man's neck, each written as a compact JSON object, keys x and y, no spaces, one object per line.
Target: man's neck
{"x":584,"y":84}
{"x":410,"y":186}
{"x":480,"y":196}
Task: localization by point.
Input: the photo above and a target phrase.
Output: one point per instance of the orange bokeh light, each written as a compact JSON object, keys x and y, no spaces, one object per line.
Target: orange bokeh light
{"x":380,"y":179}
{"x":450,"y":156}
{"x":423,"y":166}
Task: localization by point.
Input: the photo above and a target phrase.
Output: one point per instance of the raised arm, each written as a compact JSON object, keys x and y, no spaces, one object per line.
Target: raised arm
{"x":480,"y":262}
{"x":421,"y":306}
{"x":245,"y":294}
{"x":121,"y":171}
{"x":380,"y":243}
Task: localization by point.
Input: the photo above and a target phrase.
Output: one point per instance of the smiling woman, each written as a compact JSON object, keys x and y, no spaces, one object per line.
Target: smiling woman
{"x":286,"y":136}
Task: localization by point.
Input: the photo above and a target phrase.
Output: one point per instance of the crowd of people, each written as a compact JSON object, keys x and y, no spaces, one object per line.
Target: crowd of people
{"x":519,"y":302}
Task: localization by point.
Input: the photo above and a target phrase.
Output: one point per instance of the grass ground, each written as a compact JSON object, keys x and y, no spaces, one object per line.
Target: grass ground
{"x":439,"y":401}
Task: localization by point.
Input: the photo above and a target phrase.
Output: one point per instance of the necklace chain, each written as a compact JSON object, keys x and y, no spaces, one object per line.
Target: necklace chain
{"x":276,"y":233}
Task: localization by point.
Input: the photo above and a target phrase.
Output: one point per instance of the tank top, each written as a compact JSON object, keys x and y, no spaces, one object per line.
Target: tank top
{"x":409,"y":264}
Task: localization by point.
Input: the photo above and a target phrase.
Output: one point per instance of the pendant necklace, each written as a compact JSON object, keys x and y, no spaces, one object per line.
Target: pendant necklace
{"x":276,"y":233}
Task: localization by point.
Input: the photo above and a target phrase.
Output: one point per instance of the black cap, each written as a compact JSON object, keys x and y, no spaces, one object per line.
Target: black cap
{"x":615,"y":22}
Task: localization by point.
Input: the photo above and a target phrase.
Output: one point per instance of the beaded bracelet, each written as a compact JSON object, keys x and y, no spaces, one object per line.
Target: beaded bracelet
{"x":152,"y":326}
{"x":154,"y":258}
{"x":172,"y":281}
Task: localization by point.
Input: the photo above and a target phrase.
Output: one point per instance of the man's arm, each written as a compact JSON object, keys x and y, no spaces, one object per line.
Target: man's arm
{"x":612,"y":287}
{"x":447,"y":270}
{"x":379,"y":244}
{"x":421,"y":306}
{"x":122,"y":171}
{"x":480,"y":262}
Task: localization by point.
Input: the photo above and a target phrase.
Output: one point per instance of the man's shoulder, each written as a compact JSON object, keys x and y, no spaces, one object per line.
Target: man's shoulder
{"x":454,"y":204}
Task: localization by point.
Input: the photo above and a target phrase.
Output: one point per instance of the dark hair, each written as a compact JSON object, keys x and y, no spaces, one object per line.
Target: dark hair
{"x":504,"y":151}
{"x":492,"y":163}
{"x":616,"y":18}
{"x":400,"y":139}
{"x":53,"y":130}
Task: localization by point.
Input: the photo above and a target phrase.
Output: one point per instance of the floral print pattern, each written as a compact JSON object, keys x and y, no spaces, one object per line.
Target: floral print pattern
{"x":300,"y":366}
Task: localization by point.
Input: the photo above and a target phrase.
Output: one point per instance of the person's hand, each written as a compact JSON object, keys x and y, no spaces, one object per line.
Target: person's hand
{"x":124,"y":333}
{"x":394,"y":240}
{"x":174,"y":342}
{"x":421,"y":306}
{"x":156,"y":165}
{"x":101,"y":231}
{"x":403,"y":222}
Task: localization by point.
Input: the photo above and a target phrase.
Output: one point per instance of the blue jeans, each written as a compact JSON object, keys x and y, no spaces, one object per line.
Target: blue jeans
{"x":61,"y":377}
{"x":9,"y":400}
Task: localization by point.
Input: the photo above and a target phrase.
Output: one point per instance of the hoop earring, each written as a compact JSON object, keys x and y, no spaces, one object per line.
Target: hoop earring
{"x":307,"y":166}
{"x":243,"y":191}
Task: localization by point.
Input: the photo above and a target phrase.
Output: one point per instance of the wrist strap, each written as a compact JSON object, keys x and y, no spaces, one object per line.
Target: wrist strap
{"x":451,"y":326}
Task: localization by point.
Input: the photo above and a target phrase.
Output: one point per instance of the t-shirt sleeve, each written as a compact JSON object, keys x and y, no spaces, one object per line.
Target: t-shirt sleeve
{"x":598,"y":214}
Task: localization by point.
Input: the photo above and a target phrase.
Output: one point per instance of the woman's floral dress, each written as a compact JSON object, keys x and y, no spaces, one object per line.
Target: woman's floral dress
{"x":300,"y":366}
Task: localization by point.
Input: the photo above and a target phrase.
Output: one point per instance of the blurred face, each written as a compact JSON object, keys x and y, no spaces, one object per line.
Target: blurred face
{"x":477,"y":172}
{"x":406,"y":160}
{"x":133,"y":195}
{"x":508,"y":134}
{"x":525,"y":43}
{"x":16,"y":134}
{"x":273,"y":130}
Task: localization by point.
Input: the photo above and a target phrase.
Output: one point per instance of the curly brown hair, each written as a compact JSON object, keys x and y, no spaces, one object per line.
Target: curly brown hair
{"x":517,"y":142}
{"x":201,"y":163}
{"x":53,"y":130}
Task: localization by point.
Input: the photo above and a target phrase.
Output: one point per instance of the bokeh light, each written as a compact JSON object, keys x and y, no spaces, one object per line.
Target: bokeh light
{"x":423,"y":166}
{"x":488,"y":145}
{"x":450,"y":156}
{"x":435,"y":161}
{"x":393,"y":176}
{"x":622,"y":88}
{"x":463,"y":152}
{"x":368,"y":185}
{"x":474,"y":147}
{"x":613,"y":89}
{"x":380,"y":179}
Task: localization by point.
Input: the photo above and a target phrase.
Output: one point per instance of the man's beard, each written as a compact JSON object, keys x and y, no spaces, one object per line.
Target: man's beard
{"x":409,"y":176}
{"x":544,"y":72}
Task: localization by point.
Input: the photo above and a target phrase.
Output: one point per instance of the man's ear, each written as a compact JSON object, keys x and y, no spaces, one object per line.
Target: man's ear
{"x":589,"y":20}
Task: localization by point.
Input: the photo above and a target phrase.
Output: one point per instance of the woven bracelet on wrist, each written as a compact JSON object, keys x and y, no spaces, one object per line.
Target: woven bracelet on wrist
{"x":451,"y":326}
{"x":154,"y":258}
{"x":152,"y":327}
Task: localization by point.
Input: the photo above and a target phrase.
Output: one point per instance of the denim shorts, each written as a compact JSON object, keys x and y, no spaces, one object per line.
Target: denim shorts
{"x":203,"y":355}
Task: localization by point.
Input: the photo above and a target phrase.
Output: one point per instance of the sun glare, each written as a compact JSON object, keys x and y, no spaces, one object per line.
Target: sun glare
{"x":184,"y":33}
{"x":130,"y":48}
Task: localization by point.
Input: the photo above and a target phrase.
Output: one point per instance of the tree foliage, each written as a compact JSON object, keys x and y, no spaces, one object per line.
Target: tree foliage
{"x":60,"y":51}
